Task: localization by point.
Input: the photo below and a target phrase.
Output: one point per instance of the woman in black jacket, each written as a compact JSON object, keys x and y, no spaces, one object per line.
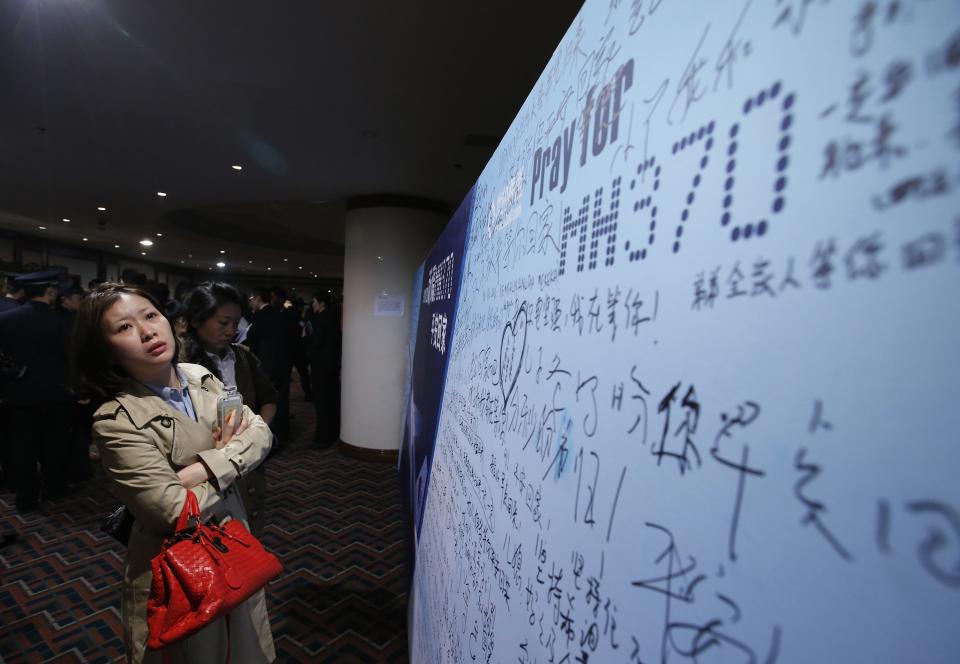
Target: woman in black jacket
{"x":212,"y":312}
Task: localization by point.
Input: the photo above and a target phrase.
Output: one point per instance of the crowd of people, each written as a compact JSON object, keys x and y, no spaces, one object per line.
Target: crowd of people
{"x":134,"y":377}
{"x":252,"y":341}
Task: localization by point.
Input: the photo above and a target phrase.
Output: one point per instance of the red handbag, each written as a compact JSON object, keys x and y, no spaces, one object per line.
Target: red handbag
{"x":202,"y":572}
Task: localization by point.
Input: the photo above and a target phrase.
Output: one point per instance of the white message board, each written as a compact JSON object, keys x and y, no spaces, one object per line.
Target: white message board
{"x":701,"y":396}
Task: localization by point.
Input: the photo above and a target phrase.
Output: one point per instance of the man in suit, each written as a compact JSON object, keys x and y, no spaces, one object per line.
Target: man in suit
{"x":271,"y":337}
{"x":298,"y":352}
{"x":323,"y":339}
{"x":38,"y":404}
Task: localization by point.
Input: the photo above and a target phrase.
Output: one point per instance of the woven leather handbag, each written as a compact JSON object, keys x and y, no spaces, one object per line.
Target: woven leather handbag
{"x":202,"y":572}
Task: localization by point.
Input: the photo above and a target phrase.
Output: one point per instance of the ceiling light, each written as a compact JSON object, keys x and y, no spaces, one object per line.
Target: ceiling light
{"x":161,"y":194}
{"x":159,"y":234}
{"x":101,"y":208}
{"x":299,"y":267}
{"x":116,"y":246}
{"x":181,"y":262}
{"x":237,"y":167}
{"x":329,"y":291}
{"x":143,"y":253}
{"x":85,"y":239}
{"x":43,"y":228}
{"x":379,"y":258}
{"x":146,"y":243}
{"x":285,"y":260}
{"x":66,"y":221}
{"x":251,"y":262}
{"x":269,"y":268}
{"x":222,"y":251}
{"x":189,"y":255}
{"x":221,"y":264}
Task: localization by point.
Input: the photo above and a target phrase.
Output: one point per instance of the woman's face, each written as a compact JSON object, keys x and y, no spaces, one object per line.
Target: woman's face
{"x":218,"y":331}
{"x":139,"y":335}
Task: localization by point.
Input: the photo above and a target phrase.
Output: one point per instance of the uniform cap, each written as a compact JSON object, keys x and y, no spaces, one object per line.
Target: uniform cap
{"x":44,"y":278}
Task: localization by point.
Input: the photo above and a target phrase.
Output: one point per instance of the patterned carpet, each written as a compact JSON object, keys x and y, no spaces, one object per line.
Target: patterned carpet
{"x":333,"y":521}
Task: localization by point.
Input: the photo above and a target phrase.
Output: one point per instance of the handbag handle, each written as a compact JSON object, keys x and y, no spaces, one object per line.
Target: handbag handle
{"x":191,"y":508}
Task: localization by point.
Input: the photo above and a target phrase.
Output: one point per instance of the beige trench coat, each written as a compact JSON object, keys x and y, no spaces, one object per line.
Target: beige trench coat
{"x":143,"y":442}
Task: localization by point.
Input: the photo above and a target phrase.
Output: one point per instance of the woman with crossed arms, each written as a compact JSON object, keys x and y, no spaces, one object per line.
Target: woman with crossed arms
{"x":156,"y":429}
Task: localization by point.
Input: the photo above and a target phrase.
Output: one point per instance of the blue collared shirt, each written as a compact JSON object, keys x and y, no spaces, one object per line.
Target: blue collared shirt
{"x":178,"y":399}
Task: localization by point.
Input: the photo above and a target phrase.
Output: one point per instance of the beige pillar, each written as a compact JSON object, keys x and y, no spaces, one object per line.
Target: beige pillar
{"x":384,"y":246}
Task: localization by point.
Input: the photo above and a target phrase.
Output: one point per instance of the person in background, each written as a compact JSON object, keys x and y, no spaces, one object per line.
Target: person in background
{"x":269,"y":337}
{"x":298,"y":352}
{"x":243,"y":327}
{"x":173,"y":310}
{"x":133,"y":277}
{"x":153,"y":427}
{"x":81,"y":417}
{"x":38,"y":404}
{"x":212,"y":313}
{"x":71,"y":295}
{"x":323,"y":341}
{"x":13,"y":296}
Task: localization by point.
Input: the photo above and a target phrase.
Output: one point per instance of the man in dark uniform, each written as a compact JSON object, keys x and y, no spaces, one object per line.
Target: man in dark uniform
{"x":38,"y":404}
{"x":11,"y":299}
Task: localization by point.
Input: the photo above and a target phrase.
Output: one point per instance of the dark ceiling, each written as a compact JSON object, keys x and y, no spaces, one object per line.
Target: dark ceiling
{"x":107,"y":103}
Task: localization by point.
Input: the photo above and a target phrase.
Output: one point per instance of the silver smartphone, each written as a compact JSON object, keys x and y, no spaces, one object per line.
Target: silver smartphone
{"x":230,"y":401}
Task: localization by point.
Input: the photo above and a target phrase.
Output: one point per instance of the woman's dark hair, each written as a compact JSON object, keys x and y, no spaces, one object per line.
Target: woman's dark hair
{"x":202,"y":303}
{"x":94,"y":371}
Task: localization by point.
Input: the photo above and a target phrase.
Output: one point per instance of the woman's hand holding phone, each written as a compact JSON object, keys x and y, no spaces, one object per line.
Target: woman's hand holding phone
{"x":230,"y":430}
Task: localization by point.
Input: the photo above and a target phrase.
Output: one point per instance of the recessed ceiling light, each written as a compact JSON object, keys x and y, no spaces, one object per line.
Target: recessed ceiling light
{"x":299,"y":267}
{"x":329,"y":291}
{"x":143,"y":253}
{"x":222,"y":251}
{"x":159,"y":234}
{"x":116,"y":246}
{"x":85,"y":239}
{"x":146,"y":243}
{"x":237,"y":167}
{"x":221,"y":264}
{"x":161,"y":194}
{"x":101,"y":208}
{"x":379,"y":258}
{"x":269,"y":268}
{"x":285,"y":260}
{"x":43,"y":228}
{"x":66,"y":221}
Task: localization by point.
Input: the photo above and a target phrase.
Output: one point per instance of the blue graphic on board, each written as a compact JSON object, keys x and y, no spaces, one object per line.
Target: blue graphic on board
{"x":699,"y":404}
{"x":436,"y":317}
